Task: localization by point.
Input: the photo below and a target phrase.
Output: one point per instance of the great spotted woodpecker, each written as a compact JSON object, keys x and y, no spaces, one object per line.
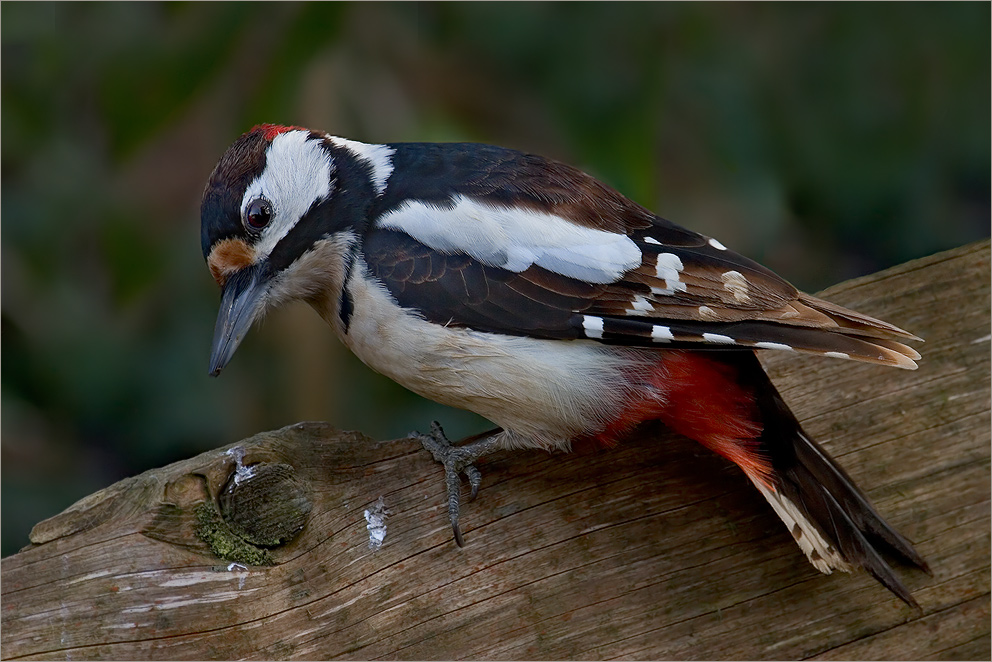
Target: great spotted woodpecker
{"x":528,"y":292}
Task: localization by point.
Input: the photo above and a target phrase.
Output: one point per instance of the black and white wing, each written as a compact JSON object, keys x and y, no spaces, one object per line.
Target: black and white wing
{"x":516,"y":244}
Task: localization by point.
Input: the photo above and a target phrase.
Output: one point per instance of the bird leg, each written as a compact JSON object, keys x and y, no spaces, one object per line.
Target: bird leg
{"x":457,"y":460}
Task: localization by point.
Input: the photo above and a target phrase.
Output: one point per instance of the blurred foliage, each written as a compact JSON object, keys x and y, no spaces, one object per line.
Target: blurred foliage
{"x":825,"y":140}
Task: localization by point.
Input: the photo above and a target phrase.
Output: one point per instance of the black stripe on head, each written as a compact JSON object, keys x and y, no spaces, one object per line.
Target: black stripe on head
{"x":220,"y":208}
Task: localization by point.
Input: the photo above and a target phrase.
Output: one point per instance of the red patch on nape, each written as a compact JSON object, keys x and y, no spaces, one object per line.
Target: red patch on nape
{"x":270,"y":131}
{"x":699,"y":397}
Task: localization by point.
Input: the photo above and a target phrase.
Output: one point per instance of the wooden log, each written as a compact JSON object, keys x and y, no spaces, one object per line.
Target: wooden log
{"x":655,"y":549}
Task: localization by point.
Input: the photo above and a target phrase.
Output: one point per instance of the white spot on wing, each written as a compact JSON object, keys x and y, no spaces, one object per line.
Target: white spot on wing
{"x":651,"y":240}
{"x":668,"y":268}
{"x":735,"y":283}
{"x":297,"y":174}
{"x":642,"y":305}
{"x":717,"y":245}
{"x":669,"y":265}
{"x":378,"y":156}
{"x":516,"y":239}
{"x":708,"y":313}
{"x":593,"y":326}
{"x":772,"y":345}
{"x":837,"y":355}
{"x":661,"y":333}
{"x":717,"y":338}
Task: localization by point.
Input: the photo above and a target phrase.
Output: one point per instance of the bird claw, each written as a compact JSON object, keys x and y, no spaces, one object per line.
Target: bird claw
{"x":456,"y":460}
{"x":474,"y":479}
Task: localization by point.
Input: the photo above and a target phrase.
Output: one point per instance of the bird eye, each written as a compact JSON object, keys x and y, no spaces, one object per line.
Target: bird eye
{"x":258,"y":214}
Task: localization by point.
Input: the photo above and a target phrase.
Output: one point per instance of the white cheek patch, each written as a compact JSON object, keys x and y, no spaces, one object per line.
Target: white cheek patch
{"x":516,"y":239}
{"x":297,"y":174}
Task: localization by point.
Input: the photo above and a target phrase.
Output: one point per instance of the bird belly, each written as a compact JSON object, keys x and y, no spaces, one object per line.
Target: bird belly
{"x":543,"y":393}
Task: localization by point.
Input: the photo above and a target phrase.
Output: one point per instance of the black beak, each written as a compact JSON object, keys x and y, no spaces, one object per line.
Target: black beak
{"x":242,"y":301}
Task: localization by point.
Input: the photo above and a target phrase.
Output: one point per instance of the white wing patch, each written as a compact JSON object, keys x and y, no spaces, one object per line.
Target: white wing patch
{"x":380,"y":157}
{"x":297,"y":174}
{"x":515,"y":239}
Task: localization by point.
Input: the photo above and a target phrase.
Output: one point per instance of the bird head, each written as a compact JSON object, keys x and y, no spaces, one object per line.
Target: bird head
{"x":278,"y":215}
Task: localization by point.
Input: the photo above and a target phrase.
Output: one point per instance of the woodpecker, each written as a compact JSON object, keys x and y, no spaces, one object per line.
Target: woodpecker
{"x":525,"y":290}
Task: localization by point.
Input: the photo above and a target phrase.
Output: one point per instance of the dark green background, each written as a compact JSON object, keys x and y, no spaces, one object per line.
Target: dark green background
{"x":827,"y":141}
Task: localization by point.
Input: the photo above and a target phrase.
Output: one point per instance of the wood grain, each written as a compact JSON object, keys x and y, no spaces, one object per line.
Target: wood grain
{"x":655,"y":549}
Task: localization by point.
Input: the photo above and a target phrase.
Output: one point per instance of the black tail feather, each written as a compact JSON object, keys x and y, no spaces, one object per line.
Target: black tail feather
{"x":813,"y":459}
{"x":843,"y":526}
{"x":824,"y":493}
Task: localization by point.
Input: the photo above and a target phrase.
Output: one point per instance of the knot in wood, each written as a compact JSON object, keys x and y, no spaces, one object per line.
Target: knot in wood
{"x":265,"y":504}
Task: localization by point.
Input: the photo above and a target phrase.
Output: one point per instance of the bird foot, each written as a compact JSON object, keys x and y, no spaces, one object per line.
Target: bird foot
{"x":457,"y":460}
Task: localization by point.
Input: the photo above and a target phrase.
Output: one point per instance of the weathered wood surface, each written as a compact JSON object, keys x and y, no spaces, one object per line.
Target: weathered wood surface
{"x":655,"y":549}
